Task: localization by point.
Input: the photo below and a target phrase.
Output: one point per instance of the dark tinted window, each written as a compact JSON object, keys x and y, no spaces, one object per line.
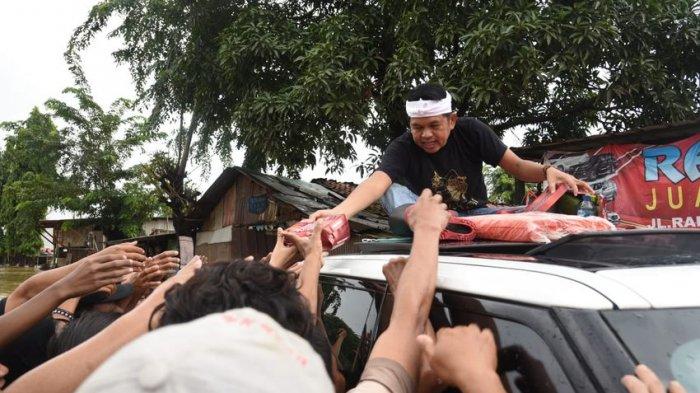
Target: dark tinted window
{"x":668,"y":341}
{"x":526,"y":363}
{"x":349,"y":312}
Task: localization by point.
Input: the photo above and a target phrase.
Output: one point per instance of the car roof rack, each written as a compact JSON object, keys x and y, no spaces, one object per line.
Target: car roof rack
{"x":403,"y":246}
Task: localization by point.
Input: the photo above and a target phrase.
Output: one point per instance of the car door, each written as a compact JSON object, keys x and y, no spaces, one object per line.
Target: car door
{"x":350,"y":313}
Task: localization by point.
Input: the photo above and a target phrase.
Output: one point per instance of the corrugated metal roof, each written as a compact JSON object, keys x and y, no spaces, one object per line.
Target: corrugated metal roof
{"x":305,"y":197}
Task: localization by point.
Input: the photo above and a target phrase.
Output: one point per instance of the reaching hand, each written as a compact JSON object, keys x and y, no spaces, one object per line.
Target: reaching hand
{"x":392,"y":271}
{"x":428,"y":213}
{"x":308,"y":246}
{"x":556,"y":177}
{"x":96,"y":271}
{"x":281,"y":254}
{"x":465,"y":357}
{"x":646,"y":381}
{"x":148,"y":278}
{"x":321,"y":214}
{"x":182,"y":276}
{"x":132,"y":251}
{"x":167,"y":261}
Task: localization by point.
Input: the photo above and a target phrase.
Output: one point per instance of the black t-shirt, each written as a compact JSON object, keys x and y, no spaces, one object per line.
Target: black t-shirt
{"x":454,"y":171}
{"x":28,"y":350}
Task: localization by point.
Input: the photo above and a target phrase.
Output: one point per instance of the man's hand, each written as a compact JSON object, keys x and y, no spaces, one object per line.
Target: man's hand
{"x":465,"y":357}
{"x":308,"y":246}
{"x":96,"y":271}
{"x":556,"y":177}
{"x":428,"y":213}
{"x":132,"y":251}
{"x":282,"y":254}
{"x":167,"y":261}
{"x":646,"y":381}
{"x":321,"y":214}
{"x":392,"y":272}
{"x":148,"y":278}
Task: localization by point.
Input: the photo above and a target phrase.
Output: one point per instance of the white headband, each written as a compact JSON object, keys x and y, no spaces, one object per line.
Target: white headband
{"x":427,"y":108}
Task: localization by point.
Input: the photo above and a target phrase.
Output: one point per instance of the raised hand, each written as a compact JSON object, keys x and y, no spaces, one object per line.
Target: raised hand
{"x":96,"y":271}
{"x":428,"y":213}
{"x":282,"y":254}
{"x":646,"y":381}
{"x":167,"y":261}
{"x":307,"y":246}
{"x":465,"y":357}
{"x":130,"y":249}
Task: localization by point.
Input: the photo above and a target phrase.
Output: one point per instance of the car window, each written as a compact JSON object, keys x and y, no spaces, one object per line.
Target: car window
{"x":349,"y":313}
{"x":667,"y":340}
{"x":526,"y":363}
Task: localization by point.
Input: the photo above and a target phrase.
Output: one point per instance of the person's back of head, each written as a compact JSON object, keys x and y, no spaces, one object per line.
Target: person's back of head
{"x":222,"y":286}
{"x":79,"y":330}
{"x":239,"y":350}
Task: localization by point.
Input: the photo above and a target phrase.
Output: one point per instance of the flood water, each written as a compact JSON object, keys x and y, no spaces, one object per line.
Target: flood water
{"x":11,"y":277}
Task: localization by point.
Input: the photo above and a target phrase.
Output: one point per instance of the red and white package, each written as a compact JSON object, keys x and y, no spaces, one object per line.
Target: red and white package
{"x":335,"y":233}
{"x":538,"y":227}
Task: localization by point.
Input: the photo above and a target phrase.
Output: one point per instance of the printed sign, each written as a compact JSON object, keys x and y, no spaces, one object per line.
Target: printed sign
{"x":650,"y":185}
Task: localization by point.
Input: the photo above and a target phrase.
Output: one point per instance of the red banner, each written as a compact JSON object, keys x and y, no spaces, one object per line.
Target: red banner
{"x":648,"y":185}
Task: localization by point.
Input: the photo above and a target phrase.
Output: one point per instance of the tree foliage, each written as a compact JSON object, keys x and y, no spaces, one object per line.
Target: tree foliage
{"x":28,"y":173}
{"x":287,"y":79}
{"x":97,"y":180}
{"x":81,"y":167}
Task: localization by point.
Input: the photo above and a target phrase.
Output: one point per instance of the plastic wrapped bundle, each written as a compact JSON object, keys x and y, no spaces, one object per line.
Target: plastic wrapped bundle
{"x":538,"y":227}
{"x":334,"y":234}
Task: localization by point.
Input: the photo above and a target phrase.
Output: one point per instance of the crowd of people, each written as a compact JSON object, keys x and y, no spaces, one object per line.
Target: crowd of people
{"x":121,"y":321}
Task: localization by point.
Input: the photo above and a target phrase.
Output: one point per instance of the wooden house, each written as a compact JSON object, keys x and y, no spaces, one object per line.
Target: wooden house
{"x":238,"y":215}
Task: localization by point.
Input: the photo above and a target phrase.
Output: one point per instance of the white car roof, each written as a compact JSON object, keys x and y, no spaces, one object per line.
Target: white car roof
{"x":546,"y":284}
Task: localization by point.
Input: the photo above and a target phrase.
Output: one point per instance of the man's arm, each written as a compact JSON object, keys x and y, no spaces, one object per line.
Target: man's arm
{"x":530,"y":171}
{"x":364,"y":195}
{"x":66,"y":372}
{"x":87,"y":276}
{"x":416,"y":287}
{"x":311,"y":248}
{"x":40,"y":281}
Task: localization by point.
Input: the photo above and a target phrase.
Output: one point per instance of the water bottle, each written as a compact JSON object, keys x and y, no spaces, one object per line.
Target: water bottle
{"x":586,"y":209}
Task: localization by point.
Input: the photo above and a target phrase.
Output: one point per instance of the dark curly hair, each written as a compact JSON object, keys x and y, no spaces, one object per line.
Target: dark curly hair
{"x":222,"y":286}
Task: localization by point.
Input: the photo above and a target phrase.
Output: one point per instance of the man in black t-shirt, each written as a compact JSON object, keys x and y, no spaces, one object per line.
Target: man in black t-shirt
{"x":443,"y":153}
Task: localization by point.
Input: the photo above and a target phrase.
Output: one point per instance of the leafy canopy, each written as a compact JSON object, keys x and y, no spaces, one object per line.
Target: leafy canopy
{"x":287,"y":79}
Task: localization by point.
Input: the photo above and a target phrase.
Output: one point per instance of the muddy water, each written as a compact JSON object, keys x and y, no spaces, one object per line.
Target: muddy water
{"x":11,"y":277}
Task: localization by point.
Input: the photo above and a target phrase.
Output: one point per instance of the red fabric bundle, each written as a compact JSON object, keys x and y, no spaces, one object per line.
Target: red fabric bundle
{"x":539,"y":227}
{"x":334,"y":234}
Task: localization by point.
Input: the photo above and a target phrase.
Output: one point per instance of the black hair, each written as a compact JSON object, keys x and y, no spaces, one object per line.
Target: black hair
{"x":79,"y":330}
{"x":222,"y":286}
{"x":428,"y":92}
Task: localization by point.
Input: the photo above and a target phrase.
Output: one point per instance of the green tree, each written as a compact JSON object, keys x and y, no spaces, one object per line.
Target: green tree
{"x":28,"y":179}
{"x":96,"y":179}
{"x":287,"y":79}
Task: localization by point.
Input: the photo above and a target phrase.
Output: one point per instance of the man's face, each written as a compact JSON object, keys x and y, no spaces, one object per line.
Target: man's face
{"x":431,"y":133}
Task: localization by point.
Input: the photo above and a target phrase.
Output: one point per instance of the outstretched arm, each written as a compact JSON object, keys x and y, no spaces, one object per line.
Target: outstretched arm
{"x":416,"y":287}
{"x":67,"y":371}
{"x":530,"y":171}
{"x":364,"y":195}
{"x":87,"y":276}
{"x":40,"y":281}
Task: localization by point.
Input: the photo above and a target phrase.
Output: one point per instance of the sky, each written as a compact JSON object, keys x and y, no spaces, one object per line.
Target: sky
{"x":33,"y":38}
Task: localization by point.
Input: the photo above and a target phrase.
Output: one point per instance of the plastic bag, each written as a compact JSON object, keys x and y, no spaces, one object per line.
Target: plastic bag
{"x":538,"y":227}
{"x":334,"y":234}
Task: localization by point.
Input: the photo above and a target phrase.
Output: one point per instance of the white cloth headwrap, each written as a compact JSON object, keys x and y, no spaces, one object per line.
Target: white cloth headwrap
{"x":427,"y":108}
